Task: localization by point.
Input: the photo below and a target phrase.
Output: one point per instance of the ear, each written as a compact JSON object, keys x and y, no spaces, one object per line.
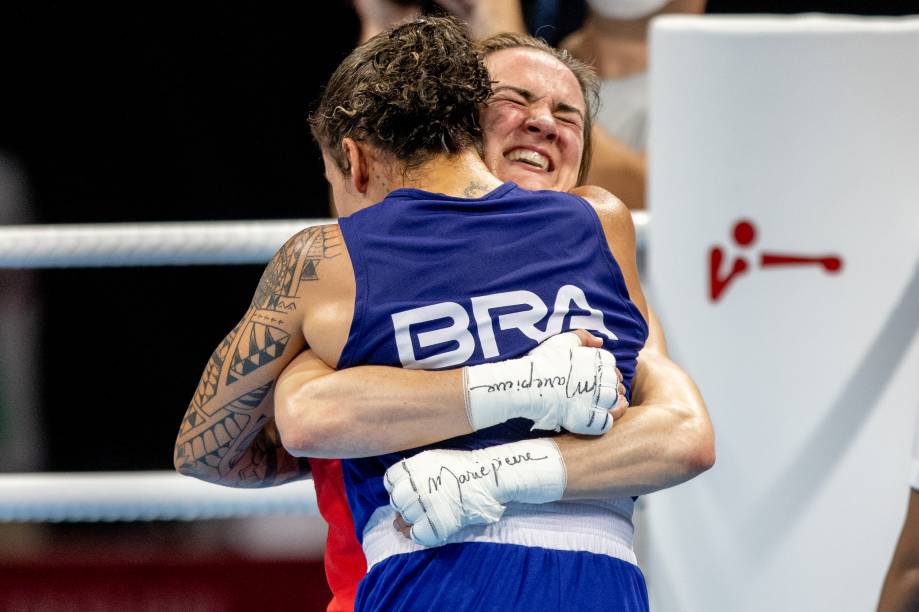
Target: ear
{"x":358,"y":164}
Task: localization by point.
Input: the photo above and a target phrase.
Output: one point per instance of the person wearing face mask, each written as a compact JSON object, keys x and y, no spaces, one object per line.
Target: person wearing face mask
{"x":614,"y":40}
{"x":535,"y":133}
{"x":616,"y":165}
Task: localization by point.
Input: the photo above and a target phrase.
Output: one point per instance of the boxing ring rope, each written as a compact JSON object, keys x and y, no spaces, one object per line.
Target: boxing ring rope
{"x":145,"y":244}
{"x":161,"y":244}
{"x":141,"y":496}
{"x":147,"y":496}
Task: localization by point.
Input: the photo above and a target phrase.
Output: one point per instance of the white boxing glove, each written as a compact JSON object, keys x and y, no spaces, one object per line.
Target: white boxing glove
{"x":438,"y":492}
{"x":559,"y":384}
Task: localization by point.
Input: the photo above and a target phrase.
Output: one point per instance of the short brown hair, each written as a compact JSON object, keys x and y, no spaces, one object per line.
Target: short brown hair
{"x":414,"y":91}
{"x":584,"y":73}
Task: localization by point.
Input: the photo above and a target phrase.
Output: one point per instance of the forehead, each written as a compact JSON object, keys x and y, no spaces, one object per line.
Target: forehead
{"x":537,"y":72}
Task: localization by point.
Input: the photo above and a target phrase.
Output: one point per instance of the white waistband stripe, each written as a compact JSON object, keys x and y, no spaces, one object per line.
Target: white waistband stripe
{"x":603,"y":528}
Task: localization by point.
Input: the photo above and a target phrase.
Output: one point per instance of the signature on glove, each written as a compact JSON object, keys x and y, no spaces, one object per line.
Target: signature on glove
{"x":551,"y":382}
{"x":436,"y":482}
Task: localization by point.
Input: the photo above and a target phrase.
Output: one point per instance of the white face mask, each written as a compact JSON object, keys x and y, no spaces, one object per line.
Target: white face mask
{"x":626,"y":9}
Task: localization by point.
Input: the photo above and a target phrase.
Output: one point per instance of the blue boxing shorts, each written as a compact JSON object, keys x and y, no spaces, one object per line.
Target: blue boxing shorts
{"x":486,"y":576}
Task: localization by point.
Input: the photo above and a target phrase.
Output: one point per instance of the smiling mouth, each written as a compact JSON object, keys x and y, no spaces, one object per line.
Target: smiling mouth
{"x":529,"y":157}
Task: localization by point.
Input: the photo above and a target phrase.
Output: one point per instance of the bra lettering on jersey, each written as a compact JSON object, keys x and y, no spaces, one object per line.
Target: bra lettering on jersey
{"x":457,"y":333}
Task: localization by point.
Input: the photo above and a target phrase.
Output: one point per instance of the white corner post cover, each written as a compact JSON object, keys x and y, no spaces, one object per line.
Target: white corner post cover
{"x":784,"y":264}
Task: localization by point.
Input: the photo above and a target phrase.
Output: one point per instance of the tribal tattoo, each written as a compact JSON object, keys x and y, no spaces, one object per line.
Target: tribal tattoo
{"x":207,"y":388}
{"x":297,"y":261}
{"x":265,"y":461}
{"x":227,"y":435}
{"x":209,"y":433}
{"x":259,"y":344}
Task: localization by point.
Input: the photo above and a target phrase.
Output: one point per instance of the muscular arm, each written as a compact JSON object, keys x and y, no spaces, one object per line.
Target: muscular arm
{"x":663,"y":440}
{"x":366,"y":410}
{"x":666,"y":437}
{"x":901,"y":587}
{"x":228,"y":435}
{"x":372,"y":410}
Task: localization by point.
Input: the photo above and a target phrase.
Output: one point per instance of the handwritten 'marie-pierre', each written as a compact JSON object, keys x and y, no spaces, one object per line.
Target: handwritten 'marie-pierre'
{"x":572,"y":388}
{"x":446,"y":476}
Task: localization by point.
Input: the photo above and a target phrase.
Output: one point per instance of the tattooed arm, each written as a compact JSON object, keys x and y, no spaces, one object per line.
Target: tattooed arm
{"x":228,"y":435}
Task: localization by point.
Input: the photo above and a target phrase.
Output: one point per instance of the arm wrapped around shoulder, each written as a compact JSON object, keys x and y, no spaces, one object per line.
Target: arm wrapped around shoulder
{"x":559,"y":384}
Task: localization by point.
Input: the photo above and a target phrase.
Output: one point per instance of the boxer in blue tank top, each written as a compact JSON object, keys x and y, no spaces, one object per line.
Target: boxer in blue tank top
{"x":320,"y":288}
{"x":413,"y":317}
{"x":514,"y":280}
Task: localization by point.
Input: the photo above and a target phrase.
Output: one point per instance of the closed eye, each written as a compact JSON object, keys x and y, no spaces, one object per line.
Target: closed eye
{"x":569,"y":114}
{"x":511,"y":94}
{"x":574,"y":120}
{"x":512,"y":100}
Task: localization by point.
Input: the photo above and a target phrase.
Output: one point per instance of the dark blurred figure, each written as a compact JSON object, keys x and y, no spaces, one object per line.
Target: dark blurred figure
{"x":553,"y":20}
{"x":614,"y":38}
{"x":901,"y":586}
{"x":22,"y":444}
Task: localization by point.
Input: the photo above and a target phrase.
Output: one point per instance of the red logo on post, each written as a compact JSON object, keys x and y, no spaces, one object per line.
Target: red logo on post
{"x":745,"y":236}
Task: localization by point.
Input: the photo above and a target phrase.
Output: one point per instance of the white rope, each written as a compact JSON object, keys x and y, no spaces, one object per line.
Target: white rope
{"x":141,"y":496}
{"x":145,"y":244}
{"x":641,"y":219}
{"x":160,"y":244}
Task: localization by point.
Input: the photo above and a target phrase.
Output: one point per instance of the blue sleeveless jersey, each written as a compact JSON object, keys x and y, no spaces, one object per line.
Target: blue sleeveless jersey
{"x":445,"y":282}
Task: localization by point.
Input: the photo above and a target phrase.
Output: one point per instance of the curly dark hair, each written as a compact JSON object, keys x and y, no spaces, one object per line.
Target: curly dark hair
{"x":413,"y":91}
{"x":584,"y":73}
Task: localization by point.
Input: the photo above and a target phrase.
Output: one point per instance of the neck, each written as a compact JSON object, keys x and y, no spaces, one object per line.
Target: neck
{"x":463,"y":175}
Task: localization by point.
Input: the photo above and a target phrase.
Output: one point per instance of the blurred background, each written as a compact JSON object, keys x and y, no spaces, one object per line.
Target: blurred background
{"x":151,"y":113}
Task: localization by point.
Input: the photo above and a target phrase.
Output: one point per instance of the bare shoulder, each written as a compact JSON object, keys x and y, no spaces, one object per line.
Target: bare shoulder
{"x":616,"y":219}
{"x":614,"y":215}
{"x":308,"y":256}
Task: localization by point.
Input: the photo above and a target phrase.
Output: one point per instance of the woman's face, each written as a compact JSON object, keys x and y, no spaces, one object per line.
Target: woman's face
{"x":534,"y":124}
